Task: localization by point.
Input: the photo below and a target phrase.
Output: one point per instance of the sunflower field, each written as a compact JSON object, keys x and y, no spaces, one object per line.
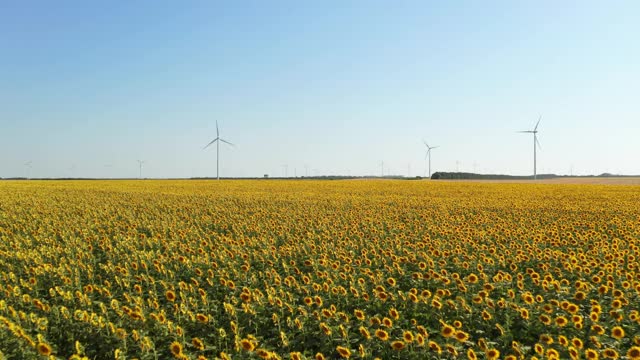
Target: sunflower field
{"x":267,"y":269}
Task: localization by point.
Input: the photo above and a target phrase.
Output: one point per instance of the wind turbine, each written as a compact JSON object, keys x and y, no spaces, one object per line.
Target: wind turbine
{"x":140,"y":162}
{"x":28,"y":167}
{"x":428,"y":154}
{"x":217,"y":140}
{"x":536,"y":144}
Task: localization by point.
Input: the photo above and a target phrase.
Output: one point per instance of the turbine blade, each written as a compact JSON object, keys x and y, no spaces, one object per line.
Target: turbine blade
{"x":538,"y":123}
{"x":526,"y":131}
{"x":425,"y":143}
{"x":225,"y":141}
{"x":538,"y":143}
{"x":217,"y":131}
{"x":435,"y":147}
{"x":214,"y":140}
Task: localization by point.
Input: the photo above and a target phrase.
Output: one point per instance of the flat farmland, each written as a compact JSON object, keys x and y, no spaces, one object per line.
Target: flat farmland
{"x":623,"y":180}
{"x":264,"y":269}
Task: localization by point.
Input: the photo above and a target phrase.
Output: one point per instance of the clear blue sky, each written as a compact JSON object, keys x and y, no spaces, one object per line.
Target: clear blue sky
{"x":87,"y":87}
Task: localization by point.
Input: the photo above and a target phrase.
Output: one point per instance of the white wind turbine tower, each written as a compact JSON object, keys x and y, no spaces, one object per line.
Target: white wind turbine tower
{"x":536,"y":144}
{"x":140,"y":162}
{"x":428,"y":154}
{"x":217,"y":140}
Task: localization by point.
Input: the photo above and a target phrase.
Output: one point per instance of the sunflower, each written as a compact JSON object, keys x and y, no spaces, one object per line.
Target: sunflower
{"x":435,"y":347}
{"x":387,"y":322}
{"x":422,"y":330}
{"x":562,"y":340}
{"x":452,"y":350}
{"x":295,"y":356}
{"x":482,"y":344}
{"x":448,"y":331}
{"x":374,"y":321}
{"x":528,"y":298}
{"x":394,"y":313}
{"x":263,"y":354}
{"x":576,"y":319}
{"x":175,"y":348}
{"x":561,"y":321}
{"x":577,"y":343}
{"x":308,"y":301}
{"x":247,"y":345}
{"x":552,"y":354}
{"x":170,"y":295}
{"x":202,"y":318}
{"x":597,"y":329}
{"x":365,"y":333}
{"x":407,"y":336}
{"x":44,"y":349}
{"x":634,"y":353}
{"x":359,"y":314}
{"x":610,"y":353}
{"x":538,"y":348}
{"x":471,"y":355}
{"x":461,"y":336}
{"x":319,"y":356}
{"x":198,"y":343}
{"x":325,"y":328}
{"x":397,"y":345}
{"x":617,"y":332}
{"x":382,"y":335}
{"x":545,"y":319}
{"x":344,"y":352}
{"x":546,"y":338}
{"x":591,"y":354}
{"x":493,"y":354}
{"x":574,"y":353}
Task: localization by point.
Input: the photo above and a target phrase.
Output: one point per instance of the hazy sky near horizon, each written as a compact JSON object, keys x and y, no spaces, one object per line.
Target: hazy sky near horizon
{"x":327,"y":87}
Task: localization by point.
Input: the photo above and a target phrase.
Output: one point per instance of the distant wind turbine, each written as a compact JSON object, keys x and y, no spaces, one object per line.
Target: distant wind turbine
{"x":536,"y":144}
{"x":428,"y":154}
{"x":140,"y":162}
{"x":28,"y":167}
{"x":217,"y":140}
